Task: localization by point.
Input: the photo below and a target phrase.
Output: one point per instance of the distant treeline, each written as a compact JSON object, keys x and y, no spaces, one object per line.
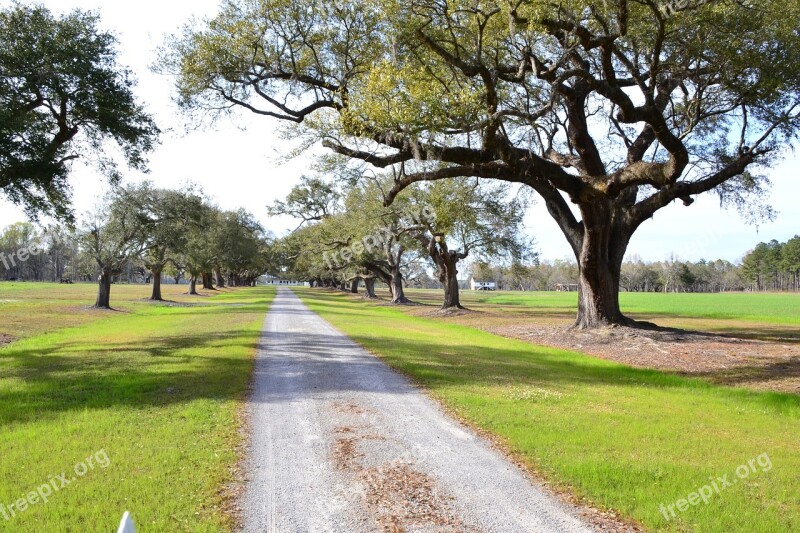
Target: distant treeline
{"x":774,"y":266}
{"x":770,"y":266}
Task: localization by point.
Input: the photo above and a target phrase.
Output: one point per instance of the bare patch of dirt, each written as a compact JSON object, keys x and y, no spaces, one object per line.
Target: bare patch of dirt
{"x":169,"y":303}
{"x":756,"y":364}
{"x":447,"y":313}
{"x":103,"y":309}
{"x":5,"y":339}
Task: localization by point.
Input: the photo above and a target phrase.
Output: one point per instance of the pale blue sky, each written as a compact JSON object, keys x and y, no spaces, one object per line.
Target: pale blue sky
{"x":239,"y":164}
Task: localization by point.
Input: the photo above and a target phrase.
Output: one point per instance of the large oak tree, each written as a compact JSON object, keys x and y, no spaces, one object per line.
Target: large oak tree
{"x":62,"y":96}
{"x":609,"y":110}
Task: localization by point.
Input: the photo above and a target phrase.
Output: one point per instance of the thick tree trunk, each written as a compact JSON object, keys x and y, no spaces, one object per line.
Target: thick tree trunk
{"x":354,"y":285}
{"x":598,"y":298}
{"x":448,"y":276}
{"x":220,"y":279}
{"x":396,"y":286}
{"x":600,"y":263}
{"x":193,"y":286}
{"x":207,"y":281}
{"x":104,"y":290}
{"x":452,"y":297}
{"x":156,"y":294}
{"x":369,"y":288}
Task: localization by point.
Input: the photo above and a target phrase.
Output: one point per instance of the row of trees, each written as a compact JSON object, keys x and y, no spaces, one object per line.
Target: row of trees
{"x":48,"y":255}
{"x":146,"y":232}
{"x":349,"y":234}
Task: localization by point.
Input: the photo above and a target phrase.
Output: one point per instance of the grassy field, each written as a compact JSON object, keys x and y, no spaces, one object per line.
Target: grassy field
{"x":764,"y":316}
{"x":767,"y":308}
{"x":627,"y":439}
{"x":136,"y":409}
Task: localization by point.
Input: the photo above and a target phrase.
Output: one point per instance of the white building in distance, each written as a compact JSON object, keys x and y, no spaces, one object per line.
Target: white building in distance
{"x":269,"y":279}
{"x":482,"y":285}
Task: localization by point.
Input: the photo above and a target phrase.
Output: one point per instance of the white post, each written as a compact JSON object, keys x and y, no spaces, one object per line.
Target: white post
{"x":126,"y":525}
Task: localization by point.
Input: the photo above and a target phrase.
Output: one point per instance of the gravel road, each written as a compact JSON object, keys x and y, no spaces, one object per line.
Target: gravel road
{"x":342,"y":443}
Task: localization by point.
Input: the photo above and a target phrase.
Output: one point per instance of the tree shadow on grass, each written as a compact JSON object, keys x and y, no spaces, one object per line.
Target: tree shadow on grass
{"x":61,"y":376}
{"x":777,"y":371}
{"x":67,"y":376}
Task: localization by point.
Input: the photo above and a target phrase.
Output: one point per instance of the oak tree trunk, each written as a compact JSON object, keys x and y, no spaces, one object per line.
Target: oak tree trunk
{"x":600,"y":262}
{"x":193,"y":286}
{"x":396,"y":286}
{"x":156,"y":294}
{"x":354,"y":285}
{"x":104,"y":290}
{"x":369,"y":288}
{"x":207,"y":281}
{"x":448,"y":276}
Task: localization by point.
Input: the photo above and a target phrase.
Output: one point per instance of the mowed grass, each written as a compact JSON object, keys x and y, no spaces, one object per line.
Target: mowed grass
{"x":763,"y":316}
{"x":27,"y":309}
{"x":623,"y":438}
{"x":154,"y":388}
{"x":769,"y":308}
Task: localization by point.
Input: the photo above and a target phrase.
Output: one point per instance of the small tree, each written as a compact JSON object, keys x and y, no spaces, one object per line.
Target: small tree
{"x":166,"y":216}
{"x":112,"y":236}
{"x":311,"y":201}
{"x":240,"y":248}
{"x":468,"y":216}
{"x":196,"y":257}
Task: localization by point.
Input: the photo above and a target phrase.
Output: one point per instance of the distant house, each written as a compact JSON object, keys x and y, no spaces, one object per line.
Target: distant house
{"x":482,"y":285}
{"x":566,"y":287}
{"x":268,"y":279}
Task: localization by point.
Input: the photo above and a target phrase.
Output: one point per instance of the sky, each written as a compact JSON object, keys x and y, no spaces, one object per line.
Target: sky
{"x":239,"y":162}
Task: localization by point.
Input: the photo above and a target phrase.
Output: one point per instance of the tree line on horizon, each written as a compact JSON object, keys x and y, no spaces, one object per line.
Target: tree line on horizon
{"x":637,"y":275}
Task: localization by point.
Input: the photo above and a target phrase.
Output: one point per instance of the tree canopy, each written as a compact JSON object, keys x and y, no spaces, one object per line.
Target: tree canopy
{"x":62,"y":96}
{"x":608,"y":110}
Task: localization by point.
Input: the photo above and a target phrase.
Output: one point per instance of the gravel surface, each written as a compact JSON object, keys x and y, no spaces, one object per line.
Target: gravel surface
{"x":340,"y":442}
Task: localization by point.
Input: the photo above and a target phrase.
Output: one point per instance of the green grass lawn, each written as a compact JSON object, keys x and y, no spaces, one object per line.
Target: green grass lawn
{"x":150,"y":392}
{"x":768,"y":308}
{"x":623,"y":438}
